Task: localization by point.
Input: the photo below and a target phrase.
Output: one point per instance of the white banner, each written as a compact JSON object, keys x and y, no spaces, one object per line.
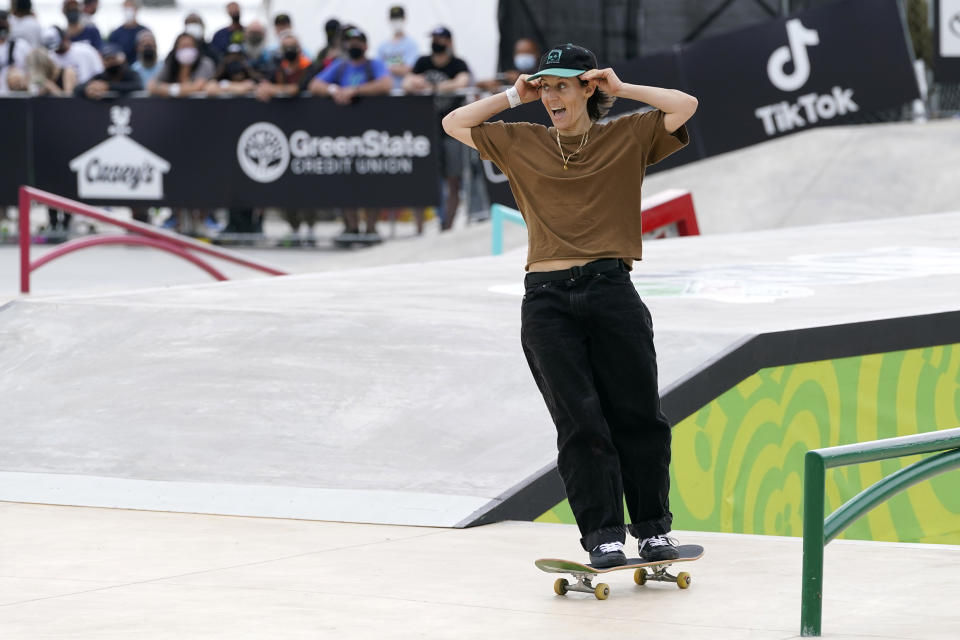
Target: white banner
{"x":949,"y":28}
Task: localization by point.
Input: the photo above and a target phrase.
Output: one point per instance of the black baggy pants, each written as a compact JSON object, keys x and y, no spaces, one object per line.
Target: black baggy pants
{"x":589,"y":343}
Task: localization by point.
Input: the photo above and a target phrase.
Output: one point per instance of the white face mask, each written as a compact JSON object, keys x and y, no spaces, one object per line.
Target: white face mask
{"x":525,"y":61}
{"x":195,"y":29}
{"x":186,"y":56}
{"x":398,"y":25}
{"x":129,"y":14}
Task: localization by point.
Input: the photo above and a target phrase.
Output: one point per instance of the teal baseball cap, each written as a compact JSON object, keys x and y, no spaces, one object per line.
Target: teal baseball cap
{"x":566,"y":61}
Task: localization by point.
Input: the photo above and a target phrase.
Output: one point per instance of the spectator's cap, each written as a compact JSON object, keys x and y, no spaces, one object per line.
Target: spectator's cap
{"x":353,"y":33}
{"x":565,"y":61}
{"x":52,"y":38}
{"x":396,"y":11}
{"x":111,"y":50}
{"x":441,"y":32}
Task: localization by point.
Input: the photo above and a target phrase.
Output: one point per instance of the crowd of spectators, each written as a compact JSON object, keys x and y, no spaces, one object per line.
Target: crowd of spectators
{"x":74,"y":58}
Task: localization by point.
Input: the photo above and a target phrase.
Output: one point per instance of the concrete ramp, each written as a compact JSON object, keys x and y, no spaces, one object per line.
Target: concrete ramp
{"x":391,"y":394}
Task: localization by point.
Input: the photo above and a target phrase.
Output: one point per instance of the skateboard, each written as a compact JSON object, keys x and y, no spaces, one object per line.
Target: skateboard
{"x":585,"y":573}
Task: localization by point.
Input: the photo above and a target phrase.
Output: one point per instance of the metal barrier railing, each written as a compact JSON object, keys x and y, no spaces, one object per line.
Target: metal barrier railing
{"x":817,"y":532}
{"x":145,"y":236}
{"x":670,"y":207}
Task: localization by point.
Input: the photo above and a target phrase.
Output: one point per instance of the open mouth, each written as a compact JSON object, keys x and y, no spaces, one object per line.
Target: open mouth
{"x":558,"y":112}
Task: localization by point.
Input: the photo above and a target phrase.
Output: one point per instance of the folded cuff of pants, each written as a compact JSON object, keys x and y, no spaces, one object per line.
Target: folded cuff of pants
{"x":651,"y":528}
{"x":603,"y":536}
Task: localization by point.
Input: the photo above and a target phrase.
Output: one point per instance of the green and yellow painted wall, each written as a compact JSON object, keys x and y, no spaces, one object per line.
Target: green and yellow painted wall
{"x":738,"y":461}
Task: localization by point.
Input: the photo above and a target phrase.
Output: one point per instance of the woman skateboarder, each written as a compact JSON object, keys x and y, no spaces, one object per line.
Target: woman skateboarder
{"x":587,"y":336}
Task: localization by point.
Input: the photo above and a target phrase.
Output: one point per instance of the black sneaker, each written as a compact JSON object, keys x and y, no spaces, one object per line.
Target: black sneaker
{"x":659,"y":548}
{"x":607,"y":555}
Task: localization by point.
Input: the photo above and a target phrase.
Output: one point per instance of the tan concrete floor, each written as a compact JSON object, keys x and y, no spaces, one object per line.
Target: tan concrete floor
{"x":78,"y":573}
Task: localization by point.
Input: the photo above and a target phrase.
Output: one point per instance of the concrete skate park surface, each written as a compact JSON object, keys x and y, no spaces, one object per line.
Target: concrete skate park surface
{"x":825,"y":175}
{"x":389,"y":394}
{"x":88,"y":574}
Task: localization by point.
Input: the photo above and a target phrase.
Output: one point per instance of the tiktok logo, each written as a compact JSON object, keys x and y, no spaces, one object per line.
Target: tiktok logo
{"x":809,"y":108}
{"x":799,"y":38}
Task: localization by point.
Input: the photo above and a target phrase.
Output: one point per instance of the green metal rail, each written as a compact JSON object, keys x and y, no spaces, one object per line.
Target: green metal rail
{"x":817,"y":532}
{"x":499,"y":213}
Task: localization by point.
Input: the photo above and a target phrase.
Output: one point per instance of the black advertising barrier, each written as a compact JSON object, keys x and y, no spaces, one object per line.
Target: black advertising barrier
{"x":298,"y":153}
{"x":818,"y":67}
{"x":14,"y":151}
{"x":946,"y":40}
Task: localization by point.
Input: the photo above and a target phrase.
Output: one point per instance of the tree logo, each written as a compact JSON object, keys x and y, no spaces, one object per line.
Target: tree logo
{"x":263,"y":152}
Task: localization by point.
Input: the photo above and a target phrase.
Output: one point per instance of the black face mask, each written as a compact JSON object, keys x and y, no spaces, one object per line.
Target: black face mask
{"x":255,"y":40}
{"x":73,"y":16}
{"x":355,"y":53}
{"x":437,"y":47}
{"x":291,"y":54}
{"x":235,"y":17}
{"x":114,"y":71}
{"x":148,"y":55}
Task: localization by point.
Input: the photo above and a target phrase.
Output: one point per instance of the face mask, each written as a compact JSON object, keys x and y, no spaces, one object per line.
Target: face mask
{"x":148,"y":55}
{"x":255,"y":39}
{"x":398,"y":25}
{"x":195,"y":29}
{"x":186,"y":56}
{"x":235,"y":17}
{"x":114,"y":70}
{"x":73,"y":16}
{"x":355,"y":53}
{"x":291,"y":54}
{"x":525,"y":61}
{"x":129,"y":14}
{"x":436,"y":47}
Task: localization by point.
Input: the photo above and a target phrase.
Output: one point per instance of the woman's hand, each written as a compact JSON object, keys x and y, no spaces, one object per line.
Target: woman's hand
{"x":528,"y":91}
{"x":605,"y":80}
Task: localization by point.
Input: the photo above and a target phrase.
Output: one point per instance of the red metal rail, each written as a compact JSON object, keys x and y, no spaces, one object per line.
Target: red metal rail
{"x":147,"y":235}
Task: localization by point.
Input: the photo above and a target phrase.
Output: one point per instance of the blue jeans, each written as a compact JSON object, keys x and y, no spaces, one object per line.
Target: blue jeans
{"x":589,"y":344}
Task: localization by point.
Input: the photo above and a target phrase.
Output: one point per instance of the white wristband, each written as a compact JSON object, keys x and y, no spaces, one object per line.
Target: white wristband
{"x":332,"y":89}
{"x":514,"y":97}
{"x":173,"y":90}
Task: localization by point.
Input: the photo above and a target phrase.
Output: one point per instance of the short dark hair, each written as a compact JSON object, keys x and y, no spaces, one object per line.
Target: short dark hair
{"x":598,"y":104}
{"x":282,"y":18}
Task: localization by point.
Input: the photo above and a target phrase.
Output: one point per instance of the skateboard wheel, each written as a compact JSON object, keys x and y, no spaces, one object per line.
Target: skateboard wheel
{"x":640,"y":576}
{"x":560,"y":586}
{"x":683,"y":580}
{"x":602,"y":591}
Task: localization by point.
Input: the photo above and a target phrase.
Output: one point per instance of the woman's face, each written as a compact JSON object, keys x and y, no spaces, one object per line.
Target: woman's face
{"x":565,"y":100}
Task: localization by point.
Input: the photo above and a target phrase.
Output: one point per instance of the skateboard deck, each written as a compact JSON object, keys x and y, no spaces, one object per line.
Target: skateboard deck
{"x":585,"y":573}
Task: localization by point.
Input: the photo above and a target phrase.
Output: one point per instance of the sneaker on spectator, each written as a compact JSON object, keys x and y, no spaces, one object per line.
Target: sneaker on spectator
{"x":371,"y":237}
{"x":659,"y":548}
{"x":212,"y":225}
{"x":606,"y":555}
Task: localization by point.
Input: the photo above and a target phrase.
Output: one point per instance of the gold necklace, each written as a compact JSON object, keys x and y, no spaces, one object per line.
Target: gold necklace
{"x":566,"y":159}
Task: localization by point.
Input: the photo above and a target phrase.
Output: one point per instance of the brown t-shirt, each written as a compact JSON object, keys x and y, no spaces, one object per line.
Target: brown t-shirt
{"x":591,"y":209}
